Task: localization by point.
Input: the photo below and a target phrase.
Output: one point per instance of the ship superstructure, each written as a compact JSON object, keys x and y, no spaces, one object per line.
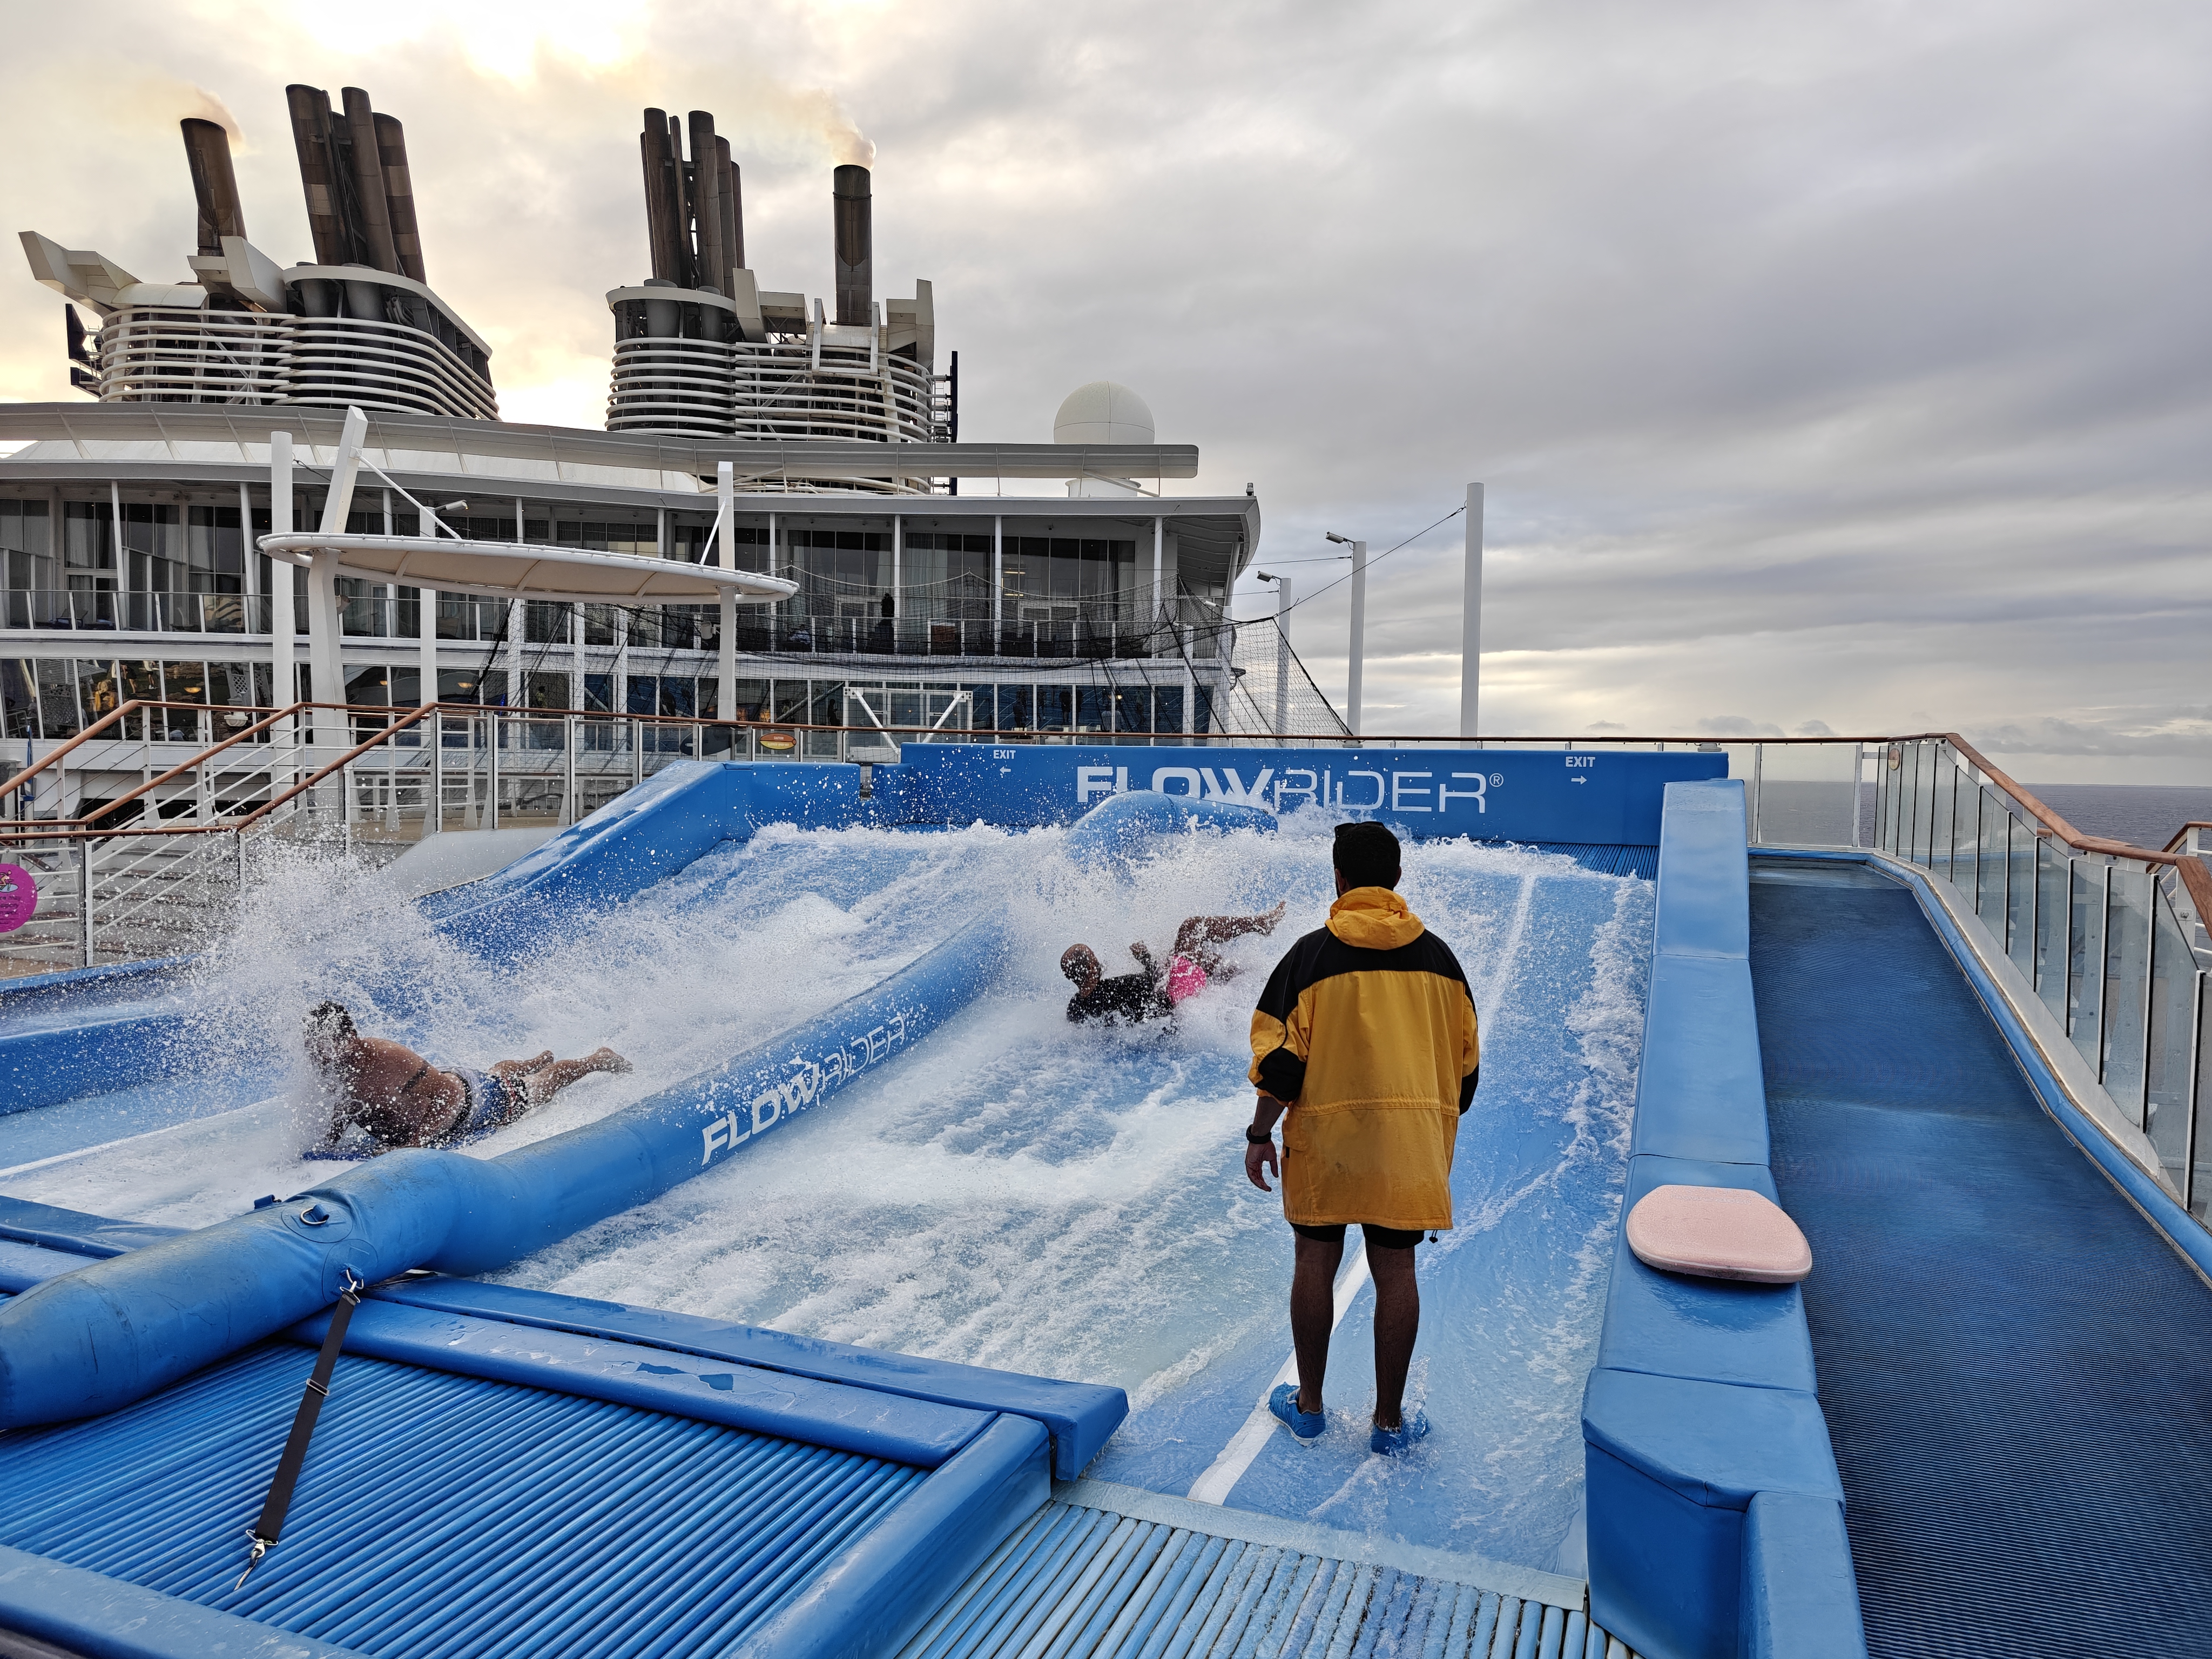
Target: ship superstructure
{"x":702,"y":350}
{"x":129,"y":527}
{"x":358,"y":326}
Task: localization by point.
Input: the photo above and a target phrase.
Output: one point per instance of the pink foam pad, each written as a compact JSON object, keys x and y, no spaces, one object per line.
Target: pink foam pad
{"x":1718,"y":1232}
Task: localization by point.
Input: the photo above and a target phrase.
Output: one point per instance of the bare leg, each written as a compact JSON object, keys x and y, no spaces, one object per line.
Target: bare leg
{"x":539,"y":1083}
{"x":1197,"y":930}
{"x":1397,"y":1323}
{"x":1313,"y":1313}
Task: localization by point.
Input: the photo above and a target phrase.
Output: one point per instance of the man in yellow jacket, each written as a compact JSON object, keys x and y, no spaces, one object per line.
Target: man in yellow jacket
{"x":1366,"y":1037}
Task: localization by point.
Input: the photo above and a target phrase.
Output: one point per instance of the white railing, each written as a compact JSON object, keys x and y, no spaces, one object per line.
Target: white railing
{"x":2103,"y":934}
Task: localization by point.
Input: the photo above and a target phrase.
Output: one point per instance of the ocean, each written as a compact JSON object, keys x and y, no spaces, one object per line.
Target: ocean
{"x":2141,"y":814}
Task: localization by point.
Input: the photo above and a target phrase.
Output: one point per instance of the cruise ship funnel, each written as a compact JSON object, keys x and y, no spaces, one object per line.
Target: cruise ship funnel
{"x":851,"y":206}
{"x":215,"y":185}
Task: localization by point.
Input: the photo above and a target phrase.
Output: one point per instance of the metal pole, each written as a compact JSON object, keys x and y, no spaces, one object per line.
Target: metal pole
{"x":1159,"y":568}
{"x":568,"y":813}
{"x":1354,"y":674}
{"x":2104,"y":979}
{"x":1757,"y":776}
{"x":1470,"y":646}
{"x":491,"y":769}
{"x":726,"y":659}
{"x":433,"y":808}
{"x":998,"y":577}
{"x":84,"y":901}
{"x":283,"y":682}
{"x":2196,"y":1059}
{"x":1282,"y":656}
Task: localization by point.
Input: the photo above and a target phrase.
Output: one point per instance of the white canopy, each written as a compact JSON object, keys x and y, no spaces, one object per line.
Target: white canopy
{"x":518,"y":569}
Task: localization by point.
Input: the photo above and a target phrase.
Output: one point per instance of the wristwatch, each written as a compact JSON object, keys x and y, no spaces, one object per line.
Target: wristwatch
{"x":1258,"y":1136}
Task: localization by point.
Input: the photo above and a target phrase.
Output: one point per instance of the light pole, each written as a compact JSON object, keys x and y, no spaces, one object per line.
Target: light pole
{"x":1352,"y":674}
{"x":1282,"y":651}
{"x":1470,"y":648}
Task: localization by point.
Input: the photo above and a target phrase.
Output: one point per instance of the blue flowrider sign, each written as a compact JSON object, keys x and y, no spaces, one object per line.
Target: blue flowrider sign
{"x":1489,"y":794}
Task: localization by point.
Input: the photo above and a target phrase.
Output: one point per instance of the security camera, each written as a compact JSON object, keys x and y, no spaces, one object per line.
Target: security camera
{"x":1341,"y":541}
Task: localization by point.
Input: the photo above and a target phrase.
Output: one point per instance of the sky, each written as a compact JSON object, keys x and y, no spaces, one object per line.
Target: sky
{"x":1829,"y":367}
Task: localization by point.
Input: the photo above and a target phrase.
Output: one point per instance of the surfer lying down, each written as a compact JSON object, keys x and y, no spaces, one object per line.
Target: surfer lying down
{"x":1153,"y":992}
{"x":403,"y":1100}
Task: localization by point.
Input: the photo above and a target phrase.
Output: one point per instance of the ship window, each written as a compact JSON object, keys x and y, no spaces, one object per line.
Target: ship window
{"x":19,"y":703}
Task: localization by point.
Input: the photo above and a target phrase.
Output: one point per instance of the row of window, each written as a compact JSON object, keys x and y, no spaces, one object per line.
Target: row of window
{"x":52,"y":698}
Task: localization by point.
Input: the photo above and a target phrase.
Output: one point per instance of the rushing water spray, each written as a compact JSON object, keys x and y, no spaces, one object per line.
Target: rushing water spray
{"x":1019,"y":1192}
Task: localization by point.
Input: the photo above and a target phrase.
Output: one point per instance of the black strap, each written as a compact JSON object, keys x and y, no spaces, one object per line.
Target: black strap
{"x":408,"y":1087}
{"x":265,"y":1531}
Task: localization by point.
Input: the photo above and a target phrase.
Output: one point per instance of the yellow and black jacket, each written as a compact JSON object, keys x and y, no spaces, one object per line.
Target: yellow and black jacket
{"x":1367,"y":1029}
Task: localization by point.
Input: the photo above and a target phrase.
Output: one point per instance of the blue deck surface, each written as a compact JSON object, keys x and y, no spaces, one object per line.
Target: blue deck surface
{"x":444,"y":1515}
{"x":2016,"y":1367}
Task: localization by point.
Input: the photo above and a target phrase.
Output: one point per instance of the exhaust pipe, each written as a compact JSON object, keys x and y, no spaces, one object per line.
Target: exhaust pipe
{"x":375,"y":222}
{"x":659,"y":213}
{"x":399,"y":197}
{"x":310,"y":108}
{"x":855,"y":276}
{"x":733,"y":211}
{"x":706,"y":203}
{"x":215,"y":187}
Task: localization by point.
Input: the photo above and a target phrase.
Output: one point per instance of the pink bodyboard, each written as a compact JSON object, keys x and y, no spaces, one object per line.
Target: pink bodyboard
{"x":1718,"y":1232}
{"x":19,"y":896}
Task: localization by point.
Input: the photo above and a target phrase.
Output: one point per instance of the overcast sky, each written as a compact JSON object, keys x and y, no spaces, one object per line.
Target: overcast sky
{"x":1829,"y":366}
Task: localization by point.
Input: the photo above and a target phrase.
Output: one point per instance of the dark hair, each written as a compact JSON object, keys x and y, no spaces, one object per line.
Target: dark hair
{"x":1366,"y":855}
{"x":329,"y":1019}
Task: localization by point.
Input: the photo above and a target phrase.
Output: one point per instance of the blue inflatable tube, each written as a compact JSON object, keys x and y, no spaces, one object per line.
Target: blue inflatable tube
{"x":116,"y":1331}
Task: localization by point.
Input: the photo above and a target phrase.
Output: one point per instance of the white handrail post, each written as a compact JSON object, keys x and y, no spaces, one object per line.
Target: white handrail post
{"x":1354,"y":672}
{"x":433,"y":802}
{"x":1470,"y":645}
{"x":568,"y":803}
{"x":491,"y":769}
{"x":726,"y":694}
{"x":84,"y":901}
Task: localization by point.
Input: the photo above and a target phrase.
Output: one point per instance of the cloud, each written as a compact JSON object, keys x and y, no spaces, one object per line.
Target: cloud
{"x":1827,"y":366}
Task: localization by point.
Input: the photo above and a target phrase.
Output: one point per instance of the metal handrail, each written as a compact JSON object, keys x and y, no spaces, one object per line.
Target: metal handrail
{"x":84,"y":737}
{"x":2182,"y":834}
{"x":198,"y":760}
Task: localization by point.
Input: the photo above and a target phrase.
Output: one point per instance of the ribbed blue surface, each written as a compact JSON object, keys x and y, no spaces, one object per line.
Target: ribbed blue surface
{"x":441,"y":1516}
{"x":1076,"y":1583}
{"x":1608,"y":858}
{"x":2015,"y":1367}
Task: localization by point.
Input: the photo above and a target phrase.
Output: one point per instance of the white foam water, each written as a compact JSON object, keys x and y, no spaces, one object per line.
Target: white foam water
{"x":1018,"y":1192}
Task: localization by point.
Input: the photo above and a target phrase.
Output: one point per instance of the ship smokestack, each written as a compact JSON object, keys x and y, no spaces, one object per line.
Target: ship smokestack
{"x":706,"y":203}
{"x":310,"y":108}
{"x":733,"y":211}
{"x":215,"y":187}
{"x":855,"y":276}
{"x":375,"y":221}
{"x":661,"y":228}
{"x":399,"y":197}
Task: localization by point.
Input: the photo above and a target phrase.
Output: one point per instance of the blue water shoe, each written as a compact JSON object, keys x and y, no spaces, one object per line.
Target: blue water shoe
{"x":1396,"y":1442}
{"x":1305,"y":1427}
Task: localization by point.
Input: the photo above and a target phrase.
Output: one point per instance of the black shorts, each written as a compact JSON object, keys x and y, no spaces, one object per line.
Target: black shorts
{"x":1385,"y":1238}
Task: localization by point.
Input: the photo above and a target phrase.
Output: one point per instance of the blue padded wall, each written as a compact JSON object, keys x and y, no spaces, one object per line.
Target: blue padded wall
{"x":1715,"y":1521}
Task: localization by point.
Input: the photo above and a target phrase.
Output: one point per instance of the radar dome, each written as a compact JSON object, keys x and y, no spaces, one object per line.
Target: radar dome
{"x":1103,"y":413}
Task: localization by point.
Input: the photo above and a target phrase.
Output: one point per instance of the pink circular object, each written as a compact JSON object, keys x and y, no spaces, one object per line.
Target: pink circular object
{"x":19,"y":896}
{"x":1718,"y":1232}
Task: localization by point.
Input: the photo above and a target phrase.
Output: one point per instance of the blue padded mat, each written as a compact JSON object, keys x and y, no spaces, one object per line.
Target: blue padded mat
{"x":2015,"y":1366}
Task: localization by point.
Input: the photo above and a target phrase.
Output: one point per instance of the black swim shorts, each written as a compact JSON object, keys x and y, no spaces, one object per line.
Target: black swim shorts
{"x":1387,"y":1238}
